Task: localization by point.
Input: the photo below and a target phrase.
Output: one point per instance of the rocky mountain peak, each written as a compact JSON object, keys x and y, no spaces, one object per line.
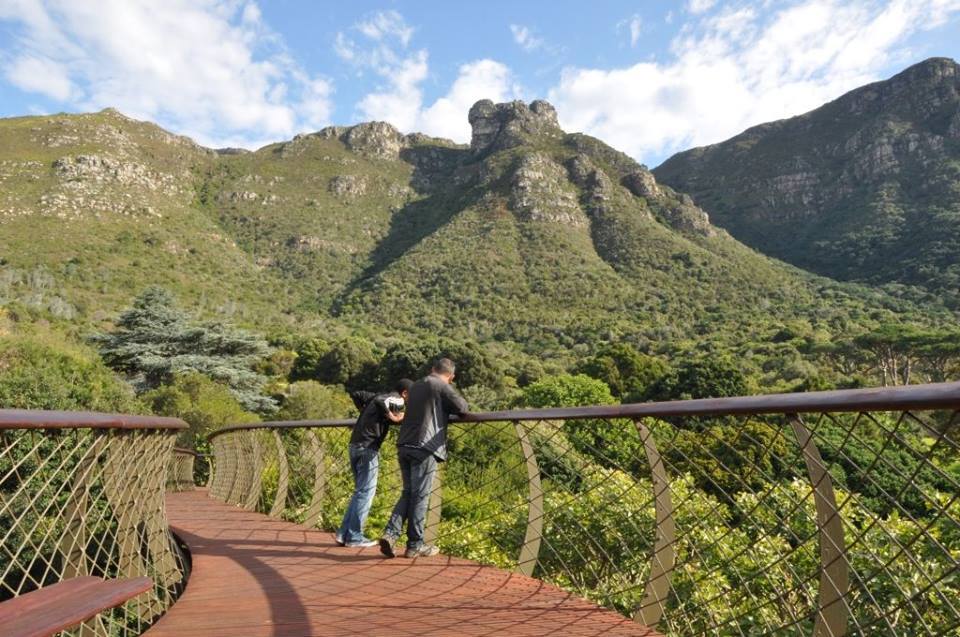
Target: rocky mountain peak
{"x":500,"y":126}
{"x":920,"y":90}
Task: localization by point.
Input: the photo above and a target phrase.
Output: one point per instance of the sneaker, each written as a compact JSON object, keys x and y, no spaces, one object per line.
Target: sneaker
{"x":339,"y":540}
{"x":386,"y":545}
{"x":361,"y":544}
{"x":424,"y":550}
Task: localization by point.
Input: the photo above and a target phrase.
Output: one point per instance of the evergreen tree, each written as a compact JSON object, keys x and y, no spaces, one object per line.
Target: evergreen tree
{"x":155,"y":341}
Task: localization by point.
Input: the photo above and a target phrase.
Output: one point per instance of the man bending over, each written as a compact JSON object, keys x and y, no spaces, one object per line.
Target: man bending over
{"x":368,"y":434}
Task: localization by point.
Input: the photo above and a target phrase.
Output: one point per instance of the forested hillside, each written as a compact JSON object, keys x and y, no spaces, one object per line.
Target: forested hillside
{"x":865,"y":188}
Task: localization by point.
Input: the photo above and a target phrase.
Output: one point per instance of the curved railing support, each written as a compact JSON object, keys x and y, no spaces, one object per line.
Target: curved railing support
{"x":530,"y":550}
{"x":256,"y":472}
{"x":832,"y":611}
{"x":315,"y":509}
{"x":664,"y":556}
{"x":283,"y":477}
{"x":83,"y":494}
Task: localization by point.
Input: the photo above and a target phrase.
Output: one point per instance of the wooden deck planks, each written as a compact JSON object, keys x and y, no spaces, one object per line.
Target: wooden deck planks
{"x":254,"y":576}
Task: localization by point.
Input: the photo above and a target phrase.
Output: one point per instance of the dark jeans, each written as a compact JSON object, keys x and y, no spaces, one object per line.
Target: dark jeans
{"x":365,"y":464}
{"x":417,"y":469}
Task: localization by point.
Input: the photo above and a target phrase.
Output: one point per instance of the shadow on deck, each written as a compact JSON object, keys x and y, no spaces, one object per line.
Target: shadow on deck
{"x":255,"y":576}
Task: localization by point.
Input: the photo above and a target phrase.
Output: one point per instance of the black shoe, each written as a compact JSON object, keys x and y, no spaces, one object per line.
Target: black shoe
{"x":424,"y":550}
{"x":386,"y":546}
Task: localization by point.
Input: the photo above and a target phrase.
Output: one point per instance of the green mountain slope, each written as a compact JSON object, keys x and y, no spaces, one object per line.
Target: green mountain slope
{"x":531,"y":240}
{"x":865,"y":188}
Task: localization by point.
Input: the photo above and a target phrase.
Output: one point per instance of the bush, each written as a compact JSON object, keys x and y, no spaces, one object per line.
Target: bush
{"x":309,"y":400}
{"x":44,"y":373}
{"x":204,"y":404}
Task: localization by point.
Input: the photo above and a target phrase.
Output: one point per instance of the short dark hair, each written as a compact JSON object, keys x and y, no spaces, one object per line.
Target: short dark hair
{"x":444,"y":366}
{"x":404,"y":384}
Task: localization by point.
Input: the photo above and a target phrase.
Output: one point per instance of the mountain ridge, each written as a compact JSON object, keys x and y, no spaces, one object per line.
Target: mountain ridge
{"x":863,"y":188}
{"x":530,"y":240}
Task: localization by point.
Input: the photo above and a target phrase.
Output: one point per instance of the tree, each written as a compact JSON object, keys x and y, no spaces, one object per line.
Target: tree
{"x":351,"y":362}
{"x":713,"y":377}
{"x":894,"y":349}
{"x":204,"y":404}
{"x":309,"y":400}
{"x":309,"y":359}
{"x":626,"y":371}
{"x":154,"y":342}
{"x":413,"y":360}
{"x":566,"y":390}
{"x":44,"y":373}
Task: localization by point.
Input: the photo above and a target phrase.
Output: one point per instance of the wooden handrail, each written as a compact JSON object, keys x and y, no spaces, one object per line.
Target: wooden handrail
{"x":32,"y":419}
{"x":929,"y":396}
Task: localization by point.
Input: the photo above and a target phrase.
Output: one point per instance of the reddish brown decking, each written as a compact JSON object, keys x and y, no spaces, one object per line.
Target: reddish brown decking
{"x":254,"y":576}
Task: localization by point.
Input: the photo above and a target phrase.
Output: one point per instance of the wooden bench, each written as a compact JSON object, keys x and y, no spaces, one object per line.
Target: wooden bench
{"x":53,"y":608}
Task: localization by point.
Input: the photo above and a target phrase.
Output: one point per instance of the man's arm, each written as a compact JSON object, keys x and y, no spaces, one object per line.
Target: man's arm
{"x":455,"y":402}
{"x":361,"y":398}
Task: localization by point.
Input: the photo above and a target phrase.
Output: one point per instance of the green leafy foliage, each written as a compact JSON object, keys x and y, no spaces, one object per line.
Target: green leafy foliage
{"x":627,"y":372}
{"x":43,"y":371}
{"x":154,"y":341}
{"x":204,"y":404}
{"x":309,"y":400}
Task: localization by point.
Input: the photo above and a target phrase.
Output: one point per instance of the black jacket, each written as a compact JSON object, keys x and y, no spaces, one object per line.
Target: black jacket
{"x":429,"y":406}
{"x":373,"y":424}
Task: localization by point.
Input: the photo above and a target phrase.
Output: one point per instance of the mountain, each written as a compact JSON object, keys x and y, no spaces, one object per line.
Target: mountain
{"x":530,"y":240}
{"x":865,"y":188}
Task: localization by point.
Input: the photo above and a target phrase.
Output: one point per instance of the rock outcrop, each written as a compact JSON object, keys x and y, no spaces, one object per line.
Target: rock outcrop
{"x":540,"y":191}
{"x":497,"y":127}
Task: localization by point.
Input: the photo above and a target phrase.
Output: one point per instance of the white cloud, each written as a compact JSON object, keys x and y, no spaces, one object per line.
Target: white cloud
{"x":402,"y":71}
{"x":482,"y":79}
{"x":525,"y":37}
{"x":700,"y":6}
{"x":41,"y":75}
{"x":210,"y":69}
{"x":385,"y":24}
{"x":741,"y":67}
{"x":634,"y":27}
{"x":399,"y":102}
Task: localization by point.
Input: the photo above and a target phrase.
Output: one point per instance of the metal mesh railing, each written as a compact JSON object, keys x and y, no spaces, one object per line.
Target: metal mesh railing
{"x":82,"y":494}
{"x":833,"y":513}
{"x":181,"y":475}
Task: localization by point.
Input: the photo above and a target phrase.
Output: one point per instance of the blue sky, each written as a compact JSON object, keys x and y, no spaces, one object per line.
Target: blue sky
{"x":648,"y":77}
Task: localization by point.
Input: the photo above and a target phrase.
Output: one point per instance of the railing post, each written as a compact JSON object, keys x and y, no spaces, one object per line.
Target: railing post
{"x":319,"y":480}
{"x":530,"y":550}
{"x":832,"y":611}
{"x":256,"y":471}
{"x":663,"y":559}
{"x":283,"y":477}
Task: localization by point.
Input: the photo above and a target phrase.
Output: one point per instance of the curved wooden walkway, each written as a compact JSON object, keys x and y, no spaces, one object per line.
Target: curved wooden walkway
{"x":254,"y":576}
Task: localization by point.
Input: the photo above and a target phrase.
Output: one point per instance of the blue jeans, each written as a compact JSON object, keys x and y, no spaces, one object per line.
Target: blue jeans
{"x":365,"y":464}
{"x":417,"y":469}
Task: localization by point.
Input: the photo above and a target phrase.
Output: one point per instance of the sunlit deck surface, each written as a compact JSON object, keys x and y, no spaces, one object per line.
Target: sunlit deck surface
{"x":256,"y":576}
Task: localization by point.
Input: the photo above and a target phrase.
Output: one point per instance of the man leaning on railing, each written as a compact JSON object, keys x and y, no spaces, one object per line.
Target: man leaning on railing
{"x":422,"y":443}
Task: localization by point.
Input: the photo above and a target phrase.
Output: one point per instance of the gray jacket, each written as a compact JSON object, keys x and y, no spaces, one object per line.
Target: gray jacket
{"x":429,"y":406}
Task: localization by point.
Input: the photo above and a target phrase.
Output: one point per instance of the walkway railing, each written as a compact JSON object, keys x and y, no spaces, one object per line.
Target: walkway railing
{"x":182,"y":473}
{"x":82,"y":494}
{"x":831,"y":513}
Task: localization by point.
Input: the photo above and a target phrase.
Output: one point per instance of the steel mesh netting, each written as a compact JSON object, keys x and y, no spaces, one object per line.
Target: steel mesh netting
{"x":299,"y":474}
{"x":180,"y":476}
{"x":826,"y":524}
{"x":77,"y":502}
